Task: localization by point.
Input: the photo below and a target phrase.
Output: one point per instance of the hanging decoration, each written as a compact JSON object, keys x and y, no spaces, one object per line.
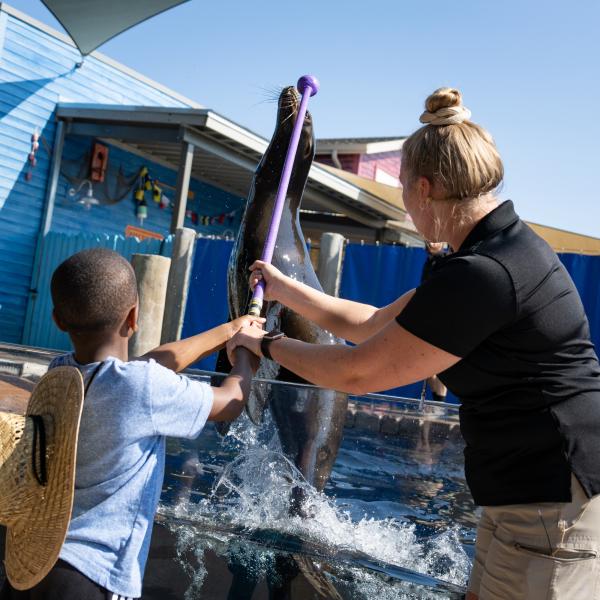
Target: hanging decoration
{"x":115,"y":187}
{"x":206,"y":220}
{"x":31,"y":159}
{"x":99,"y":162}
{"x":144,"y":183}
{"x":147,"y":183}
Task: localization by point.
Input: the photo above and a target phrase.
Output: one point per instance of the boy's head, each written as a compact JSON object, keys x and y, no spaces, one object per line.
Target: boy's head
{"x":93,"y":292}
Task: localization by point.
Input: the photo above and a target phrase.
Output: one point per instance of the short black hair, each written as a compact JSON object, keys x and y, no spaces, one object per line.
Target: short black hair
{"x":93,"y":291}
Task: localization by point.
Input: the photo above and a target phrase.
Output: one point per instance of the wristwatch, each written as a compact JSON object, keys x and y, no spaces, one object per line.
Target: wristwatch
{"x":267,"y":340}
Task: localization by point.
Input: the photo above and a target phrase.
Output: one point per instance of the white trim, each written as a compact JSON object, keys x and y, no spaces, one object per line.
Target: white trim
{"x":382,"y":176}
{"x":391,"y":146}
{"x":17,"y":14}
{"x":328,"y":146}
{"x":240,"y":134}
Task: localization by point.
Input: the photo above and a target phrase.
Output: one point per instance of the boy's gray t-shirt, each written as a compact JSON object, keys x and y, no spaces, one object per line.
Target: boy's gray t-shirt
{"x":129,"y":409}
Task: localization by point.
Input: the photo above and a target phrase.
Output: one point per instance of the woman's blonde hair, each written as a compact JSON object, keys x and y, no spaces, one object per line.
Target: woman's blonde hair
{"x":451,"y":151}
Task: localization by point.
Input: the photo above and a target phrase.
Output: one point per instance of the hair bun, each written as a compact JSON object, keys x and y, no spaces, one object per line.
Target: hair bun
{"x":444,"y":107}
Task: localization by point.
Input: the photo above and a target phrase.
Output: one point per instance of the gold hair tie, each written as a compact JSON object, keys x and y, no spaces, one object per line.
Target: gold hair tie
{"x":450,"y":115}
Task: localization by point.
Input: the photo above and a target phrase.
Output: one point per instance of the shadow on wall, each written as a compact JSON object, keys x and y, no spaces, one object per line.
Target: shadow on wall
{"x":13,"y":93}
{"x":22,"y":191}
{"x":20,"y":218}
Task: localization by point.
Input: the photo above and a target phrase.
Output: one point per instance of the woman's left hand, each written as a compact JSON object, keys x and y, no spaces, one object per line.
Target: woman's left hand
{"x":247,"y":337}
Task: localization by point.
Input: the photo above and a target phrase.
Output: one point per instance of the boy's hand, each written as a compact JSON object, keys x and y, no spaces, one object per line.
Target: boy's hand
{"x":245,"y":321}
{"x":248,"y":337}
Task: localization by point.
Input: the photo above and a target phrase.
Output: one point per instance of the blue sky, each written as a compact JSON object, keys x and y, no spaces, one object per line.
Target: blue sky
{"x":528,"y":71}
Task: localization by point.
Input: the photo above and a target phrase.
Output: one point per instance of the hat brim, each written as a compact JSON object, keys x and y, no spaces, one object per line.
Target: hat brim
{"x":33,"y":543}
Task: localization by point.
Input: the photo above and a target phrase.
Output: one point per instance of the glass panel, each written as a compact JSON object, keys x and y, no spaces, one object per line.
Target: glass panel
{"x":395,"y":519}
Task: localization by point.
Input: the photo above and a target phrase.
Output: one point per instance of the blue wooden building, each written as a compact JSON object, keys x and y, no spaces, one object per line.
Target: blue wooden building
{"x":55,"y":109}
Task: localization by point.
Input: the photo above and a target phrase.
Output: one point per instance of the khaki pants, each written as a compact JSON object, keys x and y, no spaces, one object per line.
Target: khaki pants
{"x":546,"y":551}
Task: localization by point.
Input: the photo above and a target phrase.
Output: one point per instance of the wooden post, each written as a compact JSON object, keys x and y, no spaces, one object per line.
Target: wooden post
{"x":152,"y":274}
{"x":330,"y":262}
{"x":179,"y":280}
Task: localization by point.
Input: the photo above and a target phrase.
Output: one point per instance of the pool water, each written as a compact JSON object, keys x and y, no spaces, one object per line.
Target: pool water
{"x":395,"y":520}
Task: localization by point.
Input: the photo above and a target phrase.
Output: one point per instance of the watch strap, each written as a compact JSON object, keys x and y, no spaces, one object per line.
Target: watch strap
{"x":267,"y":340}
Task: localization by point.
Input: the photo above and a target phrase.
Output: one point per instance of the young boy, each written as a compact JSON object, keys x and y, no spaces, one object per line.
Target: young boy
{"x":129,"y":408}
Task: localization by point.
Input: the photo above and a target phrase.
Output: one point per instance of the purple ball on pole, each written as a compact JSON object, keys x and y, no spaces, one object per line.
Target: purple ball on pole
{"x":308,"y":81}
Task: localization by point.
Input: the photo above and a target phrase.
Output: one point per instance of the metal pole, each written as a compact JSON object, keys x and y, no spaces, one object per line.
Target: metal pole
{"x":59,"y":141}
{"x":45,"y":224}
{"x":183,"y":185}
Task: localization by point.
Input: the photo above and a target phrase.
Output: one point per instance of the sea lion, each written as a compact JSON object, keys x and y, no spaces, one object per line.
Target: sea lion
{"x":309,"y":421}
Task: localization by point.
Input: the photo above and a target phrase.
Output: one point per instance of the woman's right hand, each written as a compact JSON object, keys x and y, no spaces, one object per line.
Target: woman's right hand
{"x":275,"y":280}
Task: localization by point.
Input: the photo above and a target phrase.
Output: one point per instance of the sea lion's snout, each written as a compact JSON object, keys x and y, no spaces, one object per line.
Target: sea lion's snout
{"x":290,"y":93}
{"x":289,"y":103}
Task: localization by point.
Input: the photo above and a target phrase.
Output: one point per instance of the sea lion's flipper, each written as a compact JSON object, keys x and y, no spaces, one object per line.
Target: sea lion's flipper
{"x":316,"y":577}
{"x":257,"y":402}
{"x":223,"y":366}
{"x":222,"y":427}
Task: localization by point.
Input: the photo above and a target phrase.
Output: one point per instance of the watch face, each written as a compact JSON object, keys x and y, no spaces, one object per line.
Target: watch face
{"x":275,"y":335}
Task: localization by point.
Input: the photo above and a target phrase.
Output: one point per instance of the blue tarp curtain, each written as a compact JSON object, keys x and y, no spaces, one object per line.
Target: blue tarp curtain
{"x":585,"y":272}
{"x":378,"y":275}
{"x":374,"y":275}
{"x":207,"y":297}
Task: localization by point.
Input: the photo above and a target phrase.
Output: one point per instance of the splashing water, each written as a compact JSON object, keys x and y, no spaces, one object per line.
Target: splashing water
{"x":248,"y":517}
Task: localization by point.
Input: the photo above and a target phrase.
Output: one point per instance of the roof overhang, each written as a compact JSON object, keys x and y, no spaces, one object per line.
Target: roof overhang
{"x":326,"y":146}
{"x":226,"y":154}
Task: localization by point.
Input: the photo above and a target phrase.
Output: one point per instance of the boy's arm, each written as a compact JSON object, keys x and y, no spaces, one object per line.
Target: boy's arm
{"x":229,"y":399}
{"x":182,"y":353}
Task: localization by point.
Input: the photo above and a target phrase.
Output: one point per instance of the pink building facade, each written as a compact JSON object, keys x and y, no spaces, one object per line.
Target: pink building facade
{"x":377,"y":159}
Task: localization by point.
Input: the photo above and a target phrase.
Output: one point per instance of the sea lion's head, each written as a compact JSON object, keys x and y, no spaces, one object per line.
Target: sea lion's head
{"x":268,"y":173}
{"x":288,"y":106}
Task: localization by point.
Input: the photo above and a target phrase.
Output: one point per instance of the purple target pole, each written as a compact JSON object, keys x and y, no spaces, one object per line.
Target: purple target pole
{"x":308,"y":86}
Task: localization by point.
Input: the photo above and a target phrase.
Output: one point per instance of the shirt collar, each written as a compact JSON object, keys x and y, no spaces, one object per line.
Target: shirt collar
{"x":500,"y":218}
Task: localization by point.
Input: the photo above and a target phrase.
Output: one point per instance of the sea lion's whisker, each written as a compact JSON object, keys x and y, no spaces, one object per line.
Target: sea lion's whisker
{"x":270,"y":92}
{"x":288,"y":117}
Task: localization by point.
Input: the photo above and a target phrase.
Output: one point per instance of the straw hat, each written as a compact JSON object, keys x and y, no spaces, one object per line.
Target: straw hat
{"x":37,"y":475}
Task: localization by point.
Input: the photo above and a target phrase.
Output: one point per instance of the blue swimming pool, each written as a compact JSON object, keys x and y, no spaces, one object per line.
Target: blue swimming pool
{"x":395,"y":520}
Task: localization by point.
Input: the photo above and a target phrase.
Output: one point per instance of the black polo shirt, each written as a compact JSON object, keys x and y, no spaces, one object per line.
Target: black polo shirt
{"x":529,"y":379}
